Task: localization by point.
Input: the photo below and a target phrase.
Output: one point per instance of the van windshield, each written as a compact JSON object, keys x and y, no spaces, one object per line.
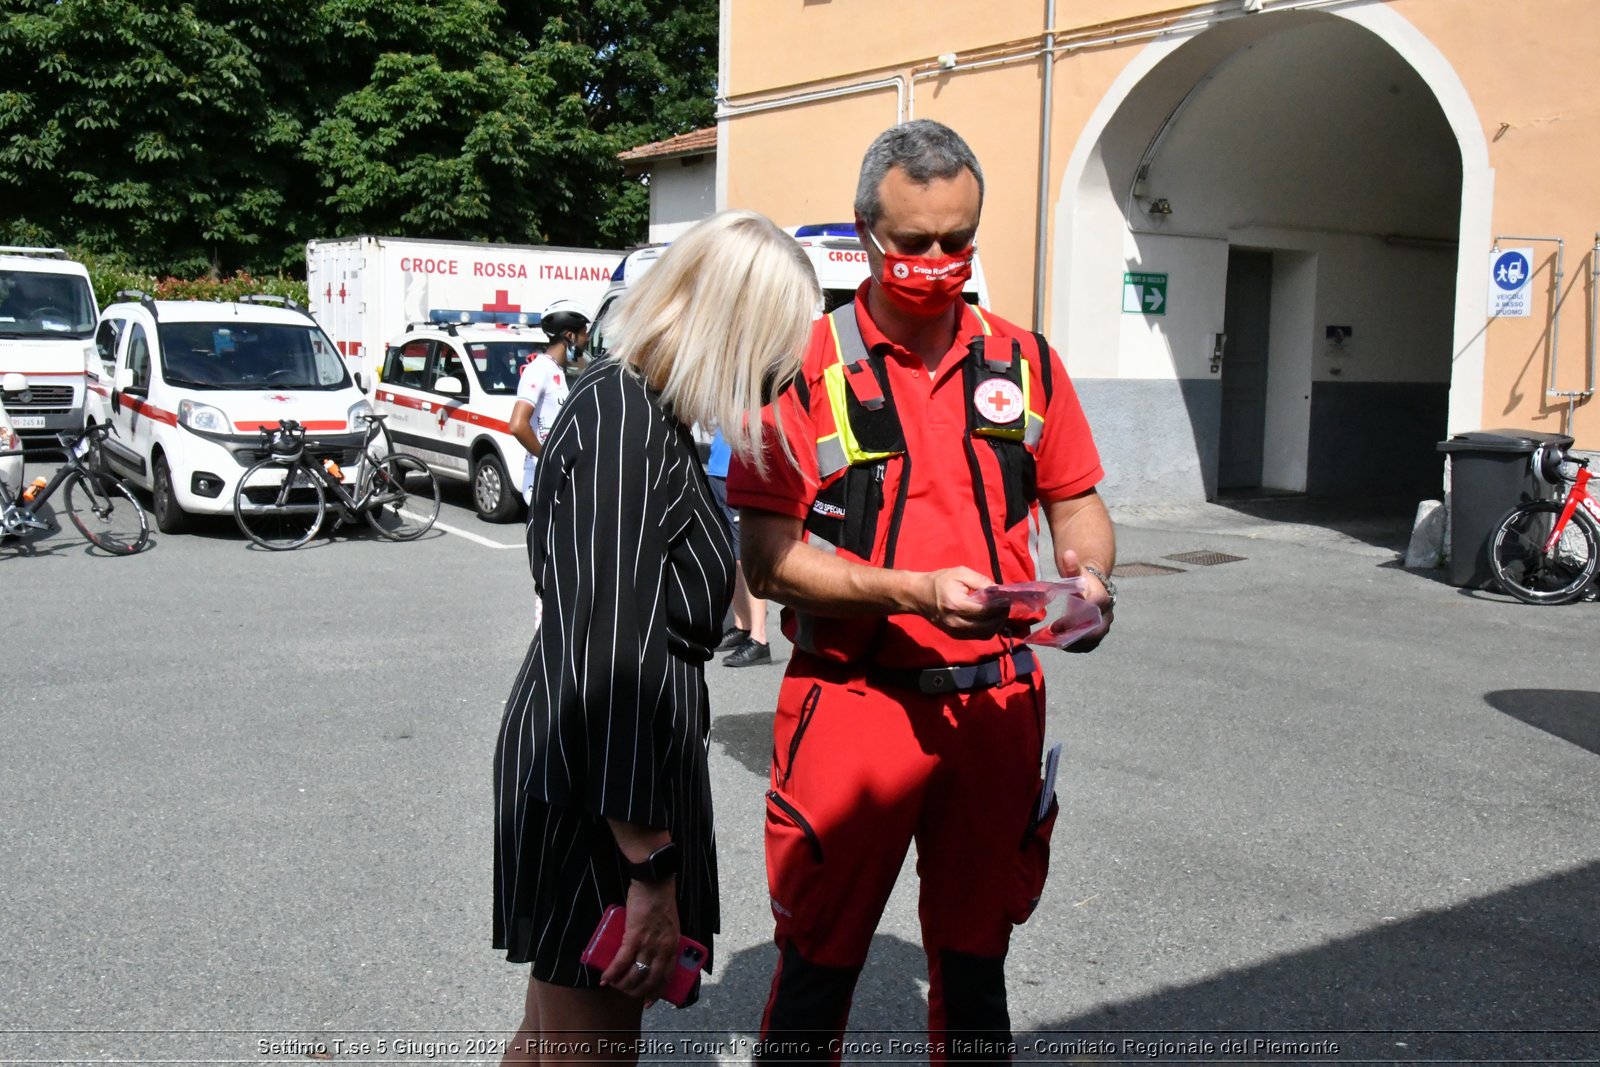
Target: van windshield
{"x":499,"y":363}
{"x":249,"y":355}
{"x":33,"y":304}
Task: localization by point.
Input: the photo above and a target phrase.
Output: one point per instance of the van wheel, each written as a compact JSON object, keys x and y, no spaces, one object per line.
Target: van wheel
{"x":170,"y":518}
{"x":493,"y":494}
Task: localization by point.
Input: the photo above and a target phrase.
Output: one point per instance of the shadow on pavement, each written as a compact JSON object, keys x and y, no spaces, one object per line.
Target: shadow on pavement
{"x":1508,"y":976}
{"x":1570,"y":714}
{"x":1512,"y":975}
{"x":747,"y":738}
{"x":889,"y":997}
{"x":1382,"y":521}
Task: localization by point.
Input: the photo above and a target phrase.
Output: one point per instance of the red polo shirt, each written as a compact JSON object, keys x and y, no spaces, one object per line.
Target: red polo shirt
{"x":941,"y":526}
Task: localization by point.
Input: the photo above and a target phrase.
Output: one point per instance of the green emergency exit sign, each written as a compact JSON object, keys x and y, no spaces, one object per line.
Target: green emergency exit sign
{"x":1144,"y":294}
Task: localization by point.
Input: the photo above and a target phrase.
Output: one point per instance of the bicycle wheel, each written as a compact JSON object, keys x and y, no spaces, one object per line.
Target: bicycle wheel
{"x":1526,"y":571}
{"x":404,"y":500}
{"x":107,"y":513}
{"x":279,"y":505}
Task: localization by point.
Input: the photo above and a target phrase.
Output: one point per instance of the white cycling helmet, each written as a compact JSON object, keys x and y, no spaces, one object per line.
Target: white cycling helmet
{"x":564,"y":316}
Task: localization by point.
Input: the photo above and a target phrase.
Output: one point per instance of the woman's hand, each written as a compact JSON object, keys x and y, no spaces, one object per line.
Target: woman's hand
{"x":651,"y":937}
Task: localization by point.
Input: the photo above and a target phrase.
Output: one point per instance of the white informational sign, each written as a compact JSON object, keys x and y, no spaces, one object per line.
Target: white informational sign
{"x":1511,"y":283}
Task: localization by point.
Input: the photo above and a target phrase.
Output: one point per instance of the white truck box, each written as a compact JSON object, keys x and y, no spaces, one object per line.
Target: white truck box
{"x":365,"y":291}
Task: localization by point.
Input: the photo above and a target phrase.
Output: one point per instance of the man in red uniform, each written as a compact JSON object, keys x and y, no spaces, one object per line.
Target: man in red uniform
{"x":932,"y":441}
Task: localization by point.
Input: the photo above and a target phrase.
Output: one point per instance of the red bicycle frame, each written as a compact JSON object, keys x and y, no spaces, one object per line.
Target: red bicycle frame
{"x":1578,"y":494}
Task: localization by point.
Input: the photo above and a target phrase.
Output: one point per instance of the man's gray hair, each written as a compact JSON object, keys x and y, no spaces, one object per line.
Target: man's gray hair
{"x":924,"y":149}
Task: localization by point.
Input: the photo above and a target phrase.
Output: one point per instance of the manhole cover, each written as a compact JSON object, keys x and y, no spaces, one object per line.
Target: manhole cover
{"x":1144,"y":570}
{"x":1204,"y":558}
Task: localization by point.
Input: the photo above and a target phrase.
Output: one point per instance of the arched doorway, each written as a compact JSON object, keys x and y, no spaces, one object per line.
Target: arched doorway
{"x":1260,"y":240}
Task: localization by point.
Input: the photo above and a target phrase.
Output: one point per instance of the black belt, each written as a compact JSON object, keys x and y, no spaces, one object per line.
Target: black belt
{"x":985,"y":674}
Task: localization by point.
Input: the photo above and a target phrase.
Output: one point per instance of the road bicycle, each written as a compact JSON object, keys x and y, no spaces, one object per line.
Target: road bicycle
{"x":1546,"y":551}
{"x":103,"y":509}
{"x":280,"y":502}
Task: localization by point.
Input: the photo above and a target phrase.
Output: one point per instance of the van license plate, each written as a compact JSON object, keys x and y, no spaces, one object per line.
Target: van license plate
{"x":27,"y":422}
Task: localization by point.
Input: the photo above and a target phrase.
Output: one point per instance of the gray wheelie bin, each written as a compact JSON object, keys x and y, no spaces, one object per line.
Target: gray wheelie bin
{"x":1489,"y":475}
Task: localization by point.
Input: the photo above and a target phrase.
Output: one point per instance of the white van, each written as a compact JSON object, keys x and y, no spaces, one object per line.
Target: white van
{"x":841,"y":263}
{"x":448,"y":390}
{"x":835,"y":253}
{"x":47,"y":322}
{"x":632,"y":268}
{"x":196,"y":381}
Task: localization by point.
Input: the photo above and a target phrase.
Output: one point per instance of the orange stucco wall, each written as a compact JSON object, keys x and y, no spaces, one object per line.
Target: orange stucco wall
{"x":1537,"y":75}
{"x":1531,"y":69}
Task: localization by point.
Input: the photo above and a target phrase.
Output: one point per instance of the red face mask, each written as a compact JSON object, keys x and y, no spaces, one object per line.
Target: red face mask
{"x":924,"y":286}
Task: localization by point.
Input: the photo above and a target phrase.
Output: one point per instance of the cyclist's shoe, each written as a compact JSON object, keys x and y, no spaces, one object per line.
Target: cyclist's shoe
{"x":749,"y":654}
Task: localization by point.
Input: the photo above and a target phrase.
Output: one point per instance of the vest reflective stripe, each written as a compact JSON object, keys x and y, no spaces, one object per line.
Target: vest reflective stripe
{"x":831,"y":456}
{"x":1035,"y":429}
{"x":840,"y":449}
{"x":848,"y":342}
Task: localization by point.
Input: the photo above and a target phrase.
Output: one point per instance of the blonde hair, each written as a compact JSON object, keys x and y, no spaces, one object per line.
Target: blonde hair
{"x":727,"y":309}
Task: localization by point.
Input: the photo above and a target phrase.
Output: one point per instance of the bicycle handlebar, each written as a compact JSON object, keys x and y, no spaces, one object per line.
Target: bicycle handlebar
{"x":99,"y":430}
{"x":285,"y":426}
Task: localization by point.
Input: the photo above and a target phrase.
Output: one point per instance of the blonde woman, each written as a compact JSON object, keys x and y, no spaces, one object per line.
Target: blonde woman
{"x":602,"y":793}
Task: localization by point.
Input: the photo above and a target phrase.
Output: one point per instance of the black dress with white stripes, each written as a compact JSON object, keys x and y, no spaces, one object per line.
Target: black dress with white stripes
{"x":609,"y":716}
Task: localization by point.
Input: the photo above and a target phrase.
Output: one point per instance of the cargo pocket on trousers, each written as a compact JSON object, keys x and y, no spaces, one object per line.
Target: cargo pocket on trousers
{"x":794,"y":862}
{"x":1033,"y":864}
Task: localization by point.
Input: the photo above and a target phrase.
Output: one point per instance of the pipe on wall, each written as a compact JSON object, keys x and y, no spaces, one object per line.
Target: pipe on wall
{"x":1041,"y":247}
{"x":1594,"y":308}
{"x":726,"y":110}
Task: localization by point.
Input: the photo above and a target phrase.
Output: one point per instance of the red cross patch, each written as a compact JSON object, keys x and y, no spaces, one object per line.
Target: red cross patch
{"x":998,"y":400}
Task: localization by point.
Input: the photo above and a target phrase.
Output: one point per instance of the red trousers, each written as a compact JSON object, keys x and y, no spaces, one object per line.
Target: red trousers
{"x":860,"y":771}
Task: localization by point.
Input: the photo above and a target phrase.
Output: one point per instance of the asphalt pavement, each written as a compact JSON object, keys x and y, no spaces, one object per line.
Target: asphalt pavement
{"x":1312,"y":803}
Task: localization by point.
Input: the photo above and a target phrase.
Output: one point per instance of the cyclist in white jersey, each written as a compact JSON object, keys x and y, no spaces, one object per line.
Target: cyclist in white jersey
{"x":542,"y":388}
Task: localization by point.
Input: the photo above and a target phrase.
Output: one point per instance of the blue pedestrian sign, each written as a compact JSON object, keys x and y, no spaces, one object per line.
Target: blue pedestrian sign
{"x":1511,"y":283}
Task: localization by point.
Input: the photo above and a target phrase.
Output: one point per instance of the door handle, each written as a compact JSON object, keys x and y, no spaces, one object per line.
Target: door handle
{"x":1219,"y":344}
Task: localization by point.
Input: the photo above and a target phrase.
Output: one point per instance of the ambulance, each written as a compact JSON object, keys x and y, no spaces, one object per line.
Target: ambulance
{"x":447,"y":390}
{"x":190,"y":384}
{"x":835,"y":253}
{"x":841,"y":263}
{"x":367,"y":291}
{"x":48,"y":316}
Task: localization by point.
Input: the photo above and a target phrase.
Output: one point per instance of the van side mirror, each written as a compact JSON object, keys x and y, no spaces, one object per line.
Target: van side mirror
{"x":14,"y":383}
{"x":360,"y":383}
{"x":450,"y":385}
{"x":124,"y":381}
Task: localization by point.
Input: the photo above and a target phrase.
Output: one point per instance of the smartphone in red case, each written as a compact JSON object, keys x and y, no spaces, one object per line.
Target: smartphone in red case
{"x":607,"y":940}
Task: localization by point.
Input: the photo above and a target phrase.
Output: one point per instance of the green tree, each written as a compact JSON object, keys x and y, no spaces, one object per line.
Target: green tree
{"x":503,"y":121}
{"x":189,"y":136}
{"x":150,"y":127}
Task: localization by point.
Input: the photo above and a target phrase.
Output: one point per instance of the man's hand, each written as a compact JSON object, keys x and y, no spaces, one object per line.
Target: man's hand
{"x":946,"y":600}
{"x":1095,"y":593}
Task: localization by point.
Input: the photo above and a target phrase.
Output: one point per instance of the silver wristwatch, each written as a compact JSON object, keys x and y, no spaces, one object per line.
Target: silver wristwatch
{"x":1105,"y":580}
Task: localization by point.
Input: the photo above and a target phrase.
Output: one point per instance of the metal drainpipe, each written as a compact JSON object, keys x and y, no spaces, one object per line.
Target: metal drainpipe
{"x":1046,"y":112}
{"x":1594,"y":309}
